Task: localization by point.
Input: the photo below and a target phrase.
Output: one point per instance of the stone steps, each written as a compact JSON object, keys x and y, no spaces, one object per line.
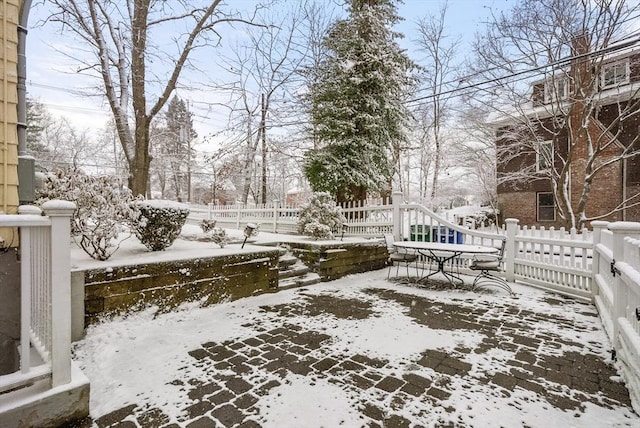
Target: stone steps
{"x":293,"y":273}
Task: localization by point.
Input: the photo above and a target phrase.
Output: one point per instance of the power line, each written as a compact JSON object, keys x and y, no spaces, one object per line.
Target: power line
{"x":470,"y":76}
{"x":562,"y":61}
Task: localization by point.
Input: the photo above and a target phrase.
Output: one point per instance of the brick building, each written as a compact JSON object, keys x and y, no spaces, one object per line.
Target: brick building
{"x":580,"y":126}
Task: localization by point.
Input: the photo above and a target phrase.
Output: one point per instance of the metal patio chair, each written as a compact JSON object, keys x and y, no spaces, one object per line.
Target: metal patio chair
{"x":398,"y":257}
{"x":486,"y":264}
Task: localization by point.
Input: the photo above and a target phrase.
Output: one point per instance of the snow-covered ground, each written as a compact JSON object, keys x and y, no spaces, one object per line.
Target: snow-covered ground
{"x":191,"y":244}
{"x":143,"y":359}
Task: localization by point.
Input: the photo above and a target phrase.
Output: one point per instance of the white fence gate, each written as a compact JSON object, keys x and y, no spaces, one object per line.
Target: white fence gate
{"x":550,"y":259}
{"x":616,"y":293}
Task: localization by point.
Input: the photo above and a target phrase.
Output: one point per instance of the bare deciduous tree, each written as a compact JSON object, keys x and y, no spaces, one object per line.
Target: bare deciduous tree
{"x":435,"y":109}
{"x":264,"y":68}
{"x":58,"y":144}
{"x":120,"y":36}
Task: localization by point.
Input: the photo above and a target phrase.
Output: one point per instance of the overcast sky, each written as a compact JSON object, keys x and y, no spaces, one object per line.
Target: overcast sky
{"x":51,"y":80}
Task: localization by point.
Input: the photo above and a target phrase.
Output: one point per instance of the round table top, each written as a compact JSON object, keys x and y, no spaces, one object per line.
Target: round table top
{"x":442,"y":246}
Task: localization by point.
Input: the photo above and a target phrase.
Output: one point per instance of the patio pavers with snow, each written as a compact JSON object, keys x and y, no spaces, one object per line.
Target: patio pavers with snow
{"x":359,"y":351}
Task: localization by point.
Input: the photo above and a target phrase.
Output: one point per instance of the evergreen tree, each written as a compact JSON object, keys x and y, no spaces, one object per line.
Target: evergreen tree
{"x":37,"y":119}
{"x":357,"y":103}
{"x":175,"y":149}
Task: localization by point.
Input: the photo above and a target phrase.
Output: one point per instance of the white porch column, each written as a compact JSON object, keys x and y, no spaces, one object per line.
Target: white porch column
{"x":59,"y":212}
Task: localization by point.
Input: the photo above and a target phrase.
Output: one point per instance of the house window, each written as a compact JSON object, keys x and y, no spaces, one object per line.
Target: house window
{"x":544,"y":156}
{"x":615,"y":74}
{"x":556,"y":89}
{"x":546,"y":207}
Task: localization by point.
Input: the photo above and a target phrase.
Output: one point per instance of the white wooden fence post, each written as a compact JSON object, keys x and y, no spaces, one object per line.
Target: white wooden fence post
{"x":59,"y":212}
{"x":276,"y":208}
{"x":510,"y":248}
{"x":620,"y":230}
{"x":397,"y":221}
{"x":597,"y":226}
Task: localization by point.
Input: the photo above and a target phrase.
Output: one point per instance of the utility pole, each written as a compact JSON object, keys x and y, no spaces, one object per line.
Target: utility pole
{"x":408,"y":167}
{"x":263,"y":135}
{"x":187,"y":127}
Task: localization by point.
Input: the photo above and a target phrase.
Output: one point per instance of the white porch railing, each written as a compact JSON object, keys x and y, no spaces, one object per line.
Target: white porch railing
{"x":45,"y":302}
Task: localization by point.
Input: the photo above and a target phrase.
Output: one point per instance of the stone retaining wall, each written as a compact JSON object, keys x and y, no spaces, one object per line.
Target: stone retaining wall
{"x":104,"y":291}
{"x":214,"y":279}
{"x":333,"y":261}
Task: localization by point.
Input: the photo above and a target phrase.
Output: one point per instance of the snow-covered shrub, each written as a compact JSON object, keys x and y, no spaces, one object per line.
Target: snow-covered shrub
{"x":219,"y":236}
{"x":320,"y":217}
{"x":103,"y":207}
{"x":158,"y":223}
{"x":207,"y":225}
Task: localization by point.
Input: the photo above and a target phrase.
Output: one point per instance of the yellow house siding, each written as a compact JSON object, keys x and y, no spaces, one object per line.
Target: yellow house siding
{"x":9,"y":19}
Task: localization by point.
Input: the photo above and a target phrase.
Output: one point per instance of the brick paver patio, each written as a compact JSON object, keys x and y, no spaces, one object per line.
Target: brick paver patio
{"x":533,"y":358}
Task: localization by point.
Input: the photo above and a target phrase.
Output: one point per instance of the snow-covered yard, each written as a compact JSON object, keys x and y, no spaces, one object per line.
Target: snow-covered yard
{"x":359,"y":351}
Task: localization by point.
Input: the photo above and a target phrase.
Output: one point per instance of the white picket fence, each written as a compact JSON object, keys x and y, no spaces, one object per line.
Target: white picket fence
{"x":551,"y":259}
{"x":45,"y":303}
{"x":373,"y":218}
{"x":272,"y":217}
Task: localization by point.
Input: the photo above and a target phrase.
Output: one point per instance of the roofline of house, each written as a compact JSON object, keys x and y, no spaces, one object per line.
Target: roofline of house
{"x":528,"y":112}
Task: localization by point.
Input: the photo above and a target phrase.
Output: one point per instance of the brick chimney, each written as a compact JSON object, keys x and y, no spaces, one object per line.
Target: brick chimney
{"x":604,"y":194}
{"x":581,"y":76}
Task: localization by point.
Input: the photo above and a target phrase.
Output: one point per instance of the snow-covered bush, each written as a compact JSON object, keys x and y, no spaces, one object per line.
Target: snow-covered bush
{"x":103,"y":207}
{"x":320,"y":217}
{"x":219,"y":236}
{"x":207,"y":225}
{"x":158,"y":223}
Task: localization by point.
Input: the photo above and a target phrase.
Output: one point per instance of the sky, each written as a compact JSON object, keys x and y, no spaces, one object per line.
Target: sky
{"x":52,"y":81}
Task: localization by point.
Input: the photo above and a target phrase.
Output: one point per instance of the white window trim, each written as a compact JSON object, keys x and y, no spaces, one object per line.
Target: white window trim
{"x":539,"y":154}
{"x":538,"y":207}
{"x":550,"y":97}
{"x":624,"y":62}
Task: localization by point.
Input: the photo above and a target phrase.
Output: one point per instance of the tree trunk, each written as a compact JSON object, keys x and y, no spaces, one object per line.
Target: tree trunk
{"x":139,"y":172}
{"x":436,"y":167}
{"x":248,"y":163}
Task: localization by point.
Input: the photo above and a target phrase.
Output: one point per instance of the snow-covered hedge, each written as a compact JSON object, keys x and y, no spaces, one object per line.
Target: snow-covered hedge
{"x":158,"y":222}
{"x":103,"y":207}
{"x":320,"y":217}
